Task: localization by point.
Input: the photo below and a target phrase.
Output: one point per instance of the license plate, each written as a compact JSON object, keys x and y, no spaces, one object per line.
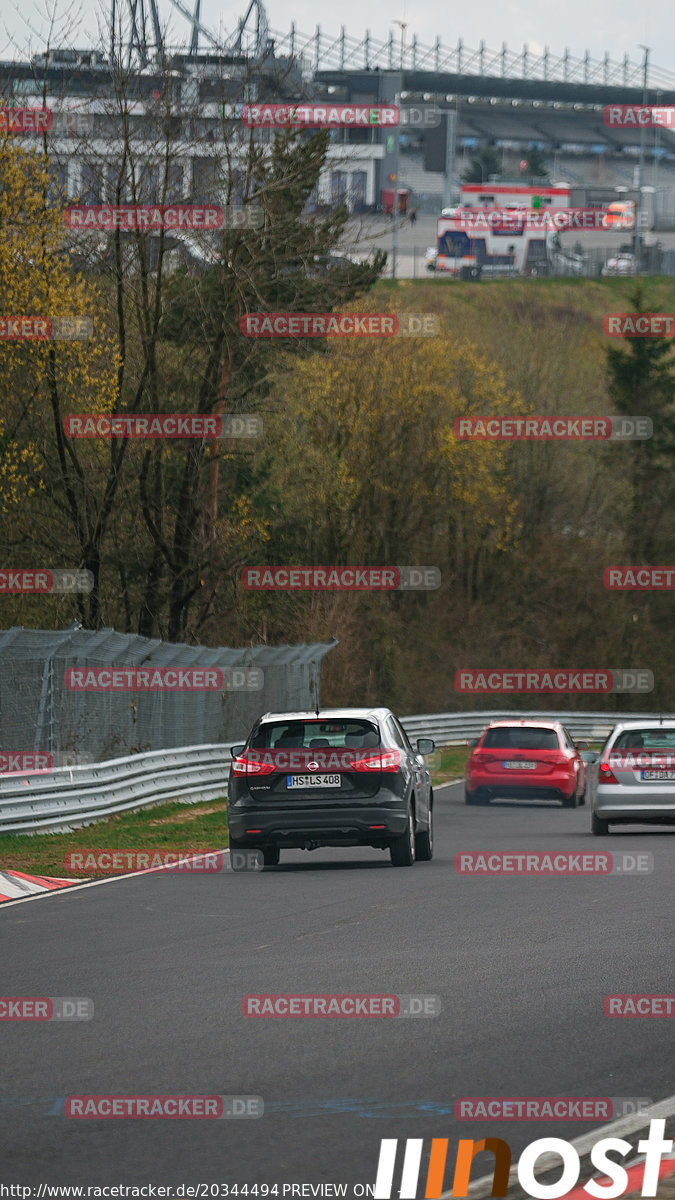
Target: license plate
{"x":657,"y":774}
{"x":312,"y":781}
{"x":520,"y":766}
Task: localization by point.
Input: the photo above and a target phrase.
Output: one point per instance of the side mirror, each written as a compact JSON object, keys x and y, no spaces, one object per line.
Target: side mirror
{"x":473,"y":742}
{"x":235,"y":751}
{"x":589,"y":756}
{"x":425,"y":746}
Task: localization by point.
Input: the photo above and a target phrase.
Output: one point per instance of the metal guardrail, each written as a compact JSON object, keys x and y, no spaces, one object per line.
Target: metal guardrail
{"x":455,"y":729}
{"x":69,"y":797}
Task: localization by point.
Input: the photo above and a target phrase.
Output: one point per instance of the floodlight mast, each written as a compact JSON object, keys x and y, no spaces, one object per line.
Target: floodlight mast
{"x":234,"y":46}
{"x":197,"y":27}
{"x":261,"y":29}
{"x":146,"y":47}
{"x":194,"y":40}
{"x":138,"y":39}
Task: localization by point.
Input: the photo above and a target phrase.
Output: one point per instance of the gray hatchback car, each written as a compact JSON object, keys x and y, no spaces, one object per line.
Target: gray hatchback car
{"x":633,"y":779}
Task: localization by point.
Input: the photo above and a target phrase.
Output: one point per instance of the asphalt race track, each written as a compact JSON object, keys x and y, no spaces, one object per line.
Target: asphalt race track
{"x":521,"y":966}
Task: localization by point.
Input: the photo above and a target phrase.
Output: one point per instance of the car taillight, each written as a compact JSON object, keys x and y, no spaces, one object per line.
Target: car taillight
{"x":251,"y":766}
{"x":389,"y":761}
{"x":606,"y":774}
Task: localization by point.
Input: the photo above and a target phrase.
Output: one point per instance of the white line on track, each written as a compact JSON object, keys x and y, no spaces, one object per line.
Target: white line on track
{"x":79,"y":887}
{"x":582,"y":1144}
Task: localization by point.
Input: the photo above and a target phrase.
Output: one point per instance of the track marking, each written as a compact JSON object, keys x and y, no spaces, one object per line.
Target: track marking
{"x":79,"y":887}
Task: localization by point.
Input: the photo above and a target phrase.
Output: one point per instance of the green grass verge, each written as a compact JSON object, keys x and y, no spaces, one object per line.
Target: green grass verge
{"x":448,"y":762}
{"x":173,"y":826}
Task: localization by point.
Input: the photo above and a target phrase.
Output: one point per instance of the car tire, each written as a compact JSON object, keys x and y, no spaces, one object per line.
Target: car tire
{"x":236,"y":863}
{"x":402,"y":850}
{"x":599,"y":827}
{"x":270,"y":856}
{"x":424,"y":842}
{"x":477,"y":797}
{"x":570,"y":801}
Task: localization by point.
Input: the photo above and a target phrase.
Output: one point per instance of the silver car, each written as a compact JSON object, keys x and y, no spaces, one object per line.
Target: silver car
{"x":633,"y":778}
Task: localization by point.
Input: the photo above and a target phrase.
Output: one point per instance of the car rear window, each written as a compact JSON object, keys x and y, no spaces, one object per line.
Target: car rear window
{"x":349,"y":732}
{"x":517,"y":737}
{"x":646,"y":739}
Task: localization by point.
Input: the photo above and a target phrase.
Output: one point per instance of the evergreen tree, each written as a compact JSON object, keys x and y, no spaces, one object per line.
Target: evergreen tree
{"x":484,"y":162}
{"x":536,"y":166}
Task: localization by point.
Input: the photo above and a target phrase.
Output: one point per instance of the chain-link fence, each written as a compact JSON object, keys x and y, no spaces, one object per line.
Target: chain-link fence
{"x":40,"y":712}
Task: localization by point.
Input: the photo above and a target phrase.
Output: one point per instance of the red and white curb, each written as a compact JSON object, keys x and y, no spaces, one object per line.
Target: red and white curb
{"x":634,"y":1172}
{"x":14,"y":885}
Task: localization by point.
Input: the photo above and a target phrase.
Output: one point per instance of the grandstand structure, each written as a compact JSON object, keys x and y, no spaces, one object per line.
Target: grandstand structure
{"x":508,"y":100}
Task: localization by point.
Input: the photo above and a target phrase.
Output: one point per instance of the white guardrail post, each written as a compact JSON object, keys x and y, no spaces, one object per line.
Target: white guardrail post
{"x":69,"y":797}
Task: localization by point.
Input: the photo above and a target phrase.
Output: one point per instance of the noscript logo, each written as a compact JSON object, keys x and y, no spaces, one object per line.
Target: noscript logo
{"x":654,"y":1147}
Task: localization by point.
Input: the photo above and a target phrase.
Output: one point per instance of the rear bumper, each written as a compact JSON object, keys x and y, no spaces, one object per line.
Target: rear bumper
{"x":344,"y":826}
{"x":634,"y":804}
{"x":524,"y":793}
{"x":521,"y":783}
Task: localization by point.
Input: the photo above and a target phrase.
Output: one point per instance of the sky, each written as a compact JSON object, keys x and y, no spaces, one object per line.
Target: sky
{"x":618,"y":27}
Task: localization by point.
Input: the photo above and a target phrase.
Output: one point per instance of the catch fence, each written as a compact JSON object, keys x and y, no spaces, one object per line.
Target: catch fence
{"x":38,"y":712}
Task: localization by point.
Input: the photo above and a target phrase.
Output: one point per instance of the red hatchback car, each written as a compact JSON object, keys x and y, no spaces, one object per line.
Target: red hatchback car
{"x":526,"y":760}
